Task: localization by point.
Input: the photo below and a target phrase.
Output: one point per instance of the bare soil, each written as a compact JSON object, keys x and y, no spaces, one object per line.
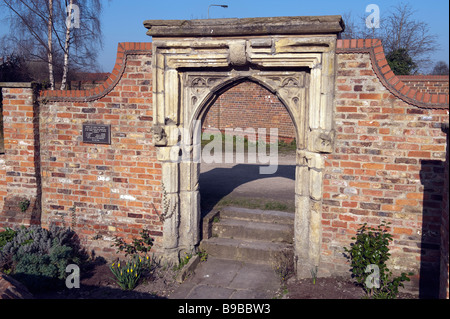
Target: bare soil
{"x":328,"y":288}
{"x":98,"y":283}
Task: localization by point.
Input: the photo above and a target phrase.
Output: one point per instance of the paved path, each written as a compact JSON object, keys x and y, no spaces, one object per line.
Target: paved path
{"x":229,"y":279}
{"x":245,"y":181}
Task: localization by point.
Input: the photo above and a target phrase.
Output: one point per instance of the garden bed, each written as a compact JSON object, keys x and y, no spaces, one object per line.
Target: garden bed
{"x":97,"y":282}
{"x":328,"y":288}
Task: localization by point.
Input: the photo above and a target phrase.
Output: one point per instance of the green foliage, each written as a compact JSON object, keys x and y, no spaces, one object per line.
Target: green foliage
{"x":128,"y":273}
{"x":400,"y":62}
{"x":39,"y":271}
{"x":24,"y":204}
{"x":372,"y":248}
{"x":141,"y":245}
{"x":6,"y":236}
{"x":284,"y":147}
{"x":314,"y":271}
{"x":38,"y":257}
{"x":183,"y":261}
{"x":203,"y":254}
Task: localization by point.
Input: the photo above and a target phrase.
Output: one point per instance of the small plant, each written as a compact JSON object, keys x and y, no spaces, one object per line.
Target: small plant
{"x":128,"y":274}
{"x":283,"y":264}
{"x":141,"y":245}
{"x":371,"y":252}
{"x":203,"y":255}
{"x":24,"y":204}
{"x":314,"y":271}
{"x":183,"y":261}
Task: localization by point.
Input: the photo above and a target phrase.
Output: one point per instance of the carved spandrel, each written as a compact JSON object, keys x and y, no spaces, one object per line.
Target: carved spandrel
{"x":198,"y":87}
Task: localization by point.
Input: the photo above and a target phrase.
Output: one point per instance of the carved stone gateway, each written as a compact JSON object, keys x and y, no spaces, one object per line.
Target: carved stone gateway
{"x":195,"y":61}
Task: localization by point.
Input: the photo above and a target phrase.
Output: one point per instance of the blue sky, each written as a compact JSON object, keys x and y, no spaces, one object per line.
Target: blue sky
{"x":123,"y":20}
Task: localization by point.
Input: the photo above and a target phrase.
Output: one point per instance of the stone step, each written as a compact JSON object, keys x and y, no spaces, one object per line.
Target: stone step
{"x":257,"y":215}
{"x":245,"y":229}
{"x":259,"y":252}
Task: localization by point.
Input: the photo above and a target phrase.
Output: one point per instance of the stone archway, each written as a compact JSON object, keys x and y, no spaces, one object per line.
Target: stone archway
{"x":193,"y":61}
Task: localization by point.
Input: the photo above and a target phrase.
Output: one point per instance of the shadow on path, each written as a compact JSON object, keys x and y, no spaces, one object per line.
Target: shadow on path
{"x":218,"y":182}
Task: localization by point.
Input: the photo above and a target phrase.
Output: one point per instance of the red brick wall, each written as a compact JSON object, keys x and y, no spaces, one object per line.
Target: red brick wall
{"x":19,"y":165}
{"x":427,"y":83}
{"x":444,"y":228}
{"x":387,"y":165}
{"x":249,"y":105}
{"x":113,"y":189}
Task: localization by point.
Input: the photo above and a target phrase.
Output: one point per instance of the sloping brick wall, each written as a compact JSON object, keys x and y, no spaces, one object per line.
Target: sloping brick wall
{"x":388,"y":164}
{"x":103,"y":190}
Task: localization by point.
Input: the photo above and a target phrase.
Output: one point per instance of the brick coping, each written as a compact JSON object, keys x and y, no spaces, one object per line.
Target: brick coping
{"x":392,"y":82}
{"x":124,"y":49}
{"x":372,"y":46}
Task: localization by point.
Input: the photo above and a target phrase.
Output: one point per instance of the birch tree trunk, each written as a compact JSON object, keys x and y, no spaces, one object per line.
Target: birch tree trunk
{"x":67,"y":46}
{"x":50,"y":44}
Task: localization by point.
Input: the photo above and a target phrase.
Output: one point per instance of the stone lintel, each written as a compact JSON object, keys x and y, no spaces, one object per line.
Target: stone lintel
{"x":246,"y":26}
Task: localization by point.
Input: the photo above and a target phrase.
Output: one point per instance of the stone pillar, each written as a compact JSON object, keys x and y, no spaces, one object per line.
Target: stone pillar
{"x":308,"y":195}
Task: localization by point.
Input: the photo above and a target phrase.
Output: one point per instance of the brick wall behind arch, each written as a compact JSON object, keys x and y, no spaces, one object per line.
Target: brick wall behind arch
{"x":249,"y":105}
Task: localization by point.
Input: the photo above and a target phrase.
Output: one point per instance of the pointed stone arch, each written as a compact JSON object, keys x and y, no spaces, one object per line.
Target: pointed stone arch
{"x":295,"y":61}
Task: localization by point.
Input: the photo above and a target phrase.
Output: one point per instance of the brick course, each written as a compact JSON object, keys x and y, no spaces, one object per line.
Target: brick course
{"x":427,"y":83}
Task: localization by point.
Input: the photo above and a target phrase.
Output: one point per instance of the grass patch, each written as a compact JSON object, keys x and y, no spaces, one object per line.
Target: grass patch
{"x":256,"y":203}
{"x":283,"y":147}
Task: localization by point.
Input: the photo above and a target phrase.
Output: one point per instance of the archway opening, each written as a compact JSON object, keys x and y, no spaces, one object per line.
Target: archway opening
{"x":246,"y":116}
{"x":248,"y":176}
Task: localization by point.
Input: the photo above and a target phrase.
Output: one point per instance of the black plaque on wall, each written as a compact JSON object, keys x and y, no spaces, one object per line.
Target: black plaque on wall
{"x":97,"y":134}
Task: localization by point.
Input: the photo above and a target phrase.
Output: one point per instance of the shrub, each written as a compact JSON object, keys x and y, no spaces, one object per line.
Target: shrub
{"x":38,"y":257}
{"x":139,"y":245}
{"x":369,"y":255}
{"x":6,"y":236}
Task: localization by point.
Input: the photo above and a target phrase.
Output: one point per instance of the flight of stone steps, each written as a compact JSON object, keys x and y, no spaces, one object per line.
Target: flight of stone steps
{"x":248,"y":235}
